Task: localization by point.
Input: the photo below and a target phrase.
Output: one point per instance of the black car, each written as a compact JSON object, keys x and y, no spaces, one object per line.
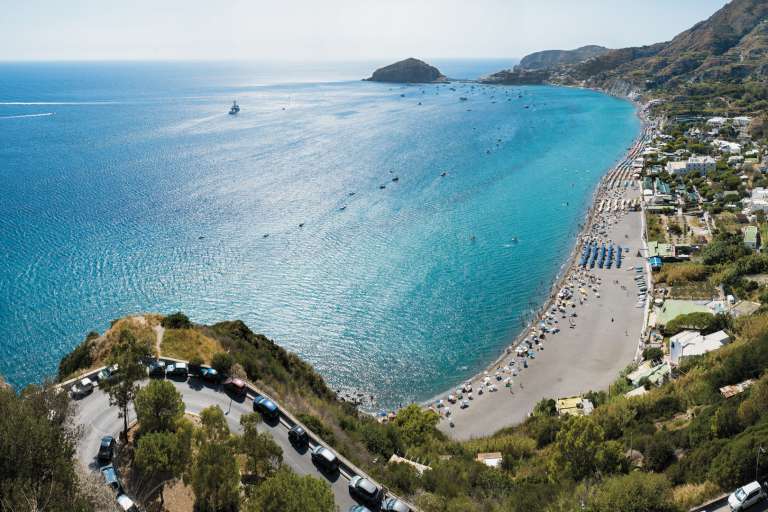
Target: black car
{"x":177,"y":370}
{"x":365,"y":491}
{"x":106,"y":448}
{"x":298,"y":436}
{"x":325,"y":459}
{"x":156,"y":368}
{"x":394,"y":505}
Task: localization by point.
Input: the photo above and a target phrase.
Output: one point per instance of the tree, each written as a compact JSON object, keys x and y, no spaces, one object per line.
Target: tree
{"x":176,"y":320}
{"x":653,"y":354}
{"x":636,"y":492}
{"x":286,"y":492}
{"x":214,"y":475}
{"x":545,"y":407}
{"x":416,"y":425}
{"x":159,"y":407}
{"x":122,"y":385}
{"x":222,"y":362}
{"x":659,"y":453}
{"x":37,"y":448}
{"x":214,"y":424}
{"x":215,"y":478}
{"x":581,"y":450}
{"x":158,"y":456}
{"x":264,"y":455}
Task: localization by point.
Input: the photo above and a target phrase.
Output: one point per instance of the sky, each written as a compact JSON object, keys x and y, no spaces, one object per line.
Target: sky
{"x":327,"y":30}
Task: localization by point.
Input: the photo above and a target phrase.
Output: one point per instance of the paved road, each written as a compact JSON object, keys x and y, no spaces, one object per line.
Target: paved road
{"x":722,"y":506}
{"x":99,"y":419}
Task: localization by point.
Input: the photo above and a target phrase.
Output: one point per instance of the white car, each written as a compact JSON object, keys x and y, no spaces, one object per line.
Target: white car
{"x":82,"y":388}
{"x":127,"y":504}
{"x":744,"y":497}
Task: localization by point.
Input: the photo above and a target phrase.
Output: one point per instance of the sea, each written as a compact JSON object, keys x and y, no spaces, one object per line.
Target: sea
{"x":394,"y":236}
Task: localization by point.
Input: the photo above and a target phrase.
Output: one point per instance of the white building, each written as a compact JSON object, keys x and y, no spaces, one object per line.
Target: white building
{"x":701,"y":164}
{"x":735,"y":159}
{"x":724,"y":146}
{"x":716,"y":122}
{"x":692,"y":343}
{"x":678,"y":167}
{"x":759,"y":200}
{"x":741,"y":121}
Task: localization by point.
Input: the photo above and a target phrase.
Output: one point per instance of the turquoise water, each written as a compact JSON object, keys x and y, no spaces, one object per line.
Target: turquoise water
{"x":132,"y":190}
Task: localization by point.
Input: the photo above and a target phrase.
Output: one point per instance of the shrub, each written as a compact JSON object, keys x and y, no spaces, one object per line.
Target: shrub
{"x":653,"y":354}
{"x":176,"y":320}
{"x":317,"y":426}
{"x":80,"y":358}
{"x":222,"y":362}
{"x":659,"y":453}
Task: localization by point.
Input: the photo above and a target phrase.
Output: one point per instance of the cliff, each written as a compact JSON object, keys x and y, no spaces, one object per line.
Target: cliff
{"x":554,"y":58}
{"x":407,"y":71}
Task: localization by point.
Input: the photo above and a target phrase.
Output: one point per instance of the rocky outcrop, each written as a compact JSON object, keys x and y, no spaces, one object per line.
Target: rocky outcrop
{"x":517,"y":77}
{"x":549,"y":59}
{"x":409,"y":71}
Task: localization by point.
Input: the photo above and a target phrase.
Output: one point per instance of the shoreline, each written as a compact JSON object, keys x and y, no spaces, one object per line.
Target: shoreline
{"x":564,"y":272}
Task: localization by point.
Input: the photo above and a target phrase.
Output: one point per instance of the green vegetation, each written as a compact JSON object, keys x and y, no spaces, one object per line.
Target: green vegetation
{"x":79,"y":358}
{"x":176,"y":321}
{"x":37,"y":446}
{"x":287,"y":492}
{"x":123,"y":384}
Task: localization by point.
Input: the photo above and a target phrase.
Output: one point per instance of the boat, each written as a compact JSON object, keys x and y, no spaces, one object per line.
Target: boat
{"x":395,"y":179}
{"x":443,"y":174}
{"x":463,"y":98}
{"x":234,"y":109}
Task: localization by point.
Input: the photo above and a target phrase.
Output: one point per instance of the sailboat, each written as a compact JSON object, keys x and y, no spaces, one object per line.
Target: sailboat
{"x":234,"y":109}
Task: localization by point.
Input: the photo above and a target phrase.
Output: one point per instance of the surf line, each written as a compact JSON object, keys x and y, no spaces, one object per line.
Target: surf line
{"x":28,"y":115}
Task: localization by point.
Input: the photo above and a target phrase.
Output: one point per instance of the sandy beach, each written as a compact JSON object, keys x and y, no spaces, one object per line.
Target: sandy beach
{"x":593,"y":319}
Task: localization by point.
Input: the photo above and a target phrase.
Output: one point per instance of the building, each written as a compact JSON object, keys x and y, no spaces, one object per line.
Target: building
{"x":655,"y":374}
{"x":741,"y":121}
{"x":693,"y":343}
{"x":736,"y":389}
{"x":490,"y":459}
{"x":732,"y":148}
{"x":758,"y":201}
{"x":752,"y":237}
{"x":701,"y":164}
{"x":677,"y":167}
{"x":574,"y":405}
{"x":660,"y":250}
{"x":716,"y":122}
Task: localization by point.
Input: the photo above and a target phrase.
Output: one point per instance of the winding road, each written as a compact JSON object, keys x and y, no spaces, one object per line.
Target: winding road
{"x":99,"y":419}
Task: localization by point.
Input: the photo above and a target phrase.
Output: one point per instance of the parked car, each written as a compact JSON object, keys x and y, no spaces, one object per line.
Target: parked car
{"x":298,"y":436}
{"x":209,"y":375}
{"x":156,"y":368}
{"x":744,"y":497}
{"x":325,"y":459}
{"x":235,"y":386}
{"x":106,"y":448}
{"x":110,"y":477}
{"x":359,"y":508}
{"x":107,"y":373}
{"x":394,"y":505}
{"x":177,"y":370}
{"x":82,"y":388}
{"x":127,"y":504}
{"x":366,"y":491}
{"x":266,"y":407}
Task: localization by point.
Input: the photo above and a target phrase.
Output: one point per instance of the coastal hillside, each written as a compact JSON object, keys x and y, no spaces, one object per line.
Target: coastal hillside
{"x":407,"y":71}
{"x":553,"y":58}
{"x":717,"y":66}
{"x":730,"y":46}
{"x":678,"y":445}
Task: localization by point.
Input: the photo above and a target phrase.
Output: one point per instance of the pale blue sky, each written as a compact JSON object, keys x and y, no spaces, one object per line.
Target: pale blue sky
{"x":331,"y":29}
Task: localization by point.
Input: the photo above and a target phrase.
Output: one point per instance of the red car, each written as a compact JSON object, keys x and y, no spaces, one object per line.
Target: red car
{"x":235,"y":386}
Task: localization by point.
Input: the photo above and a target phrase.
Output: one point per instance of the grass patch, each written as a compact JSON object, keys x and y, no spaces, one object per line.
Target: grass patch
{"x":189,"y":343}
{"x":682,"y":273}
{"x":655,"y":228}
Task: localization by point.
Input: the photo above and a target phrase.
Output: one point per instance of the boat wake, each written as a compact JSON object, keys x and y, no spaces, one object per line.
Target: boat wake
{"x":38,"y":103}
{"x":27,"y":115}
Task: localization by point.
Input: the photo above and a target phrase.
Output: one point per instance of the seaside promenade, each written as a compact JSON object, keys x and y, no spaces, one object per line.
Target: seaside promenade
{"x":591,"y":348}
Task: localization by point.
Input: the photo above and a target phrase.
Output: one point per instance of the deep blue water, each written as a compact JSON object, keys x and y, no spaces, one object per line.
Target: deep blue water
{"x":139,"y":193}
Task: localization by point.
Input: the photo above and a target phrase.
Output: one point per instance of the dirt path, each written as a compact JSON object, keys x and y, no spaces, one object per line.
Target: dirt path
{"x":159,"y":333}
